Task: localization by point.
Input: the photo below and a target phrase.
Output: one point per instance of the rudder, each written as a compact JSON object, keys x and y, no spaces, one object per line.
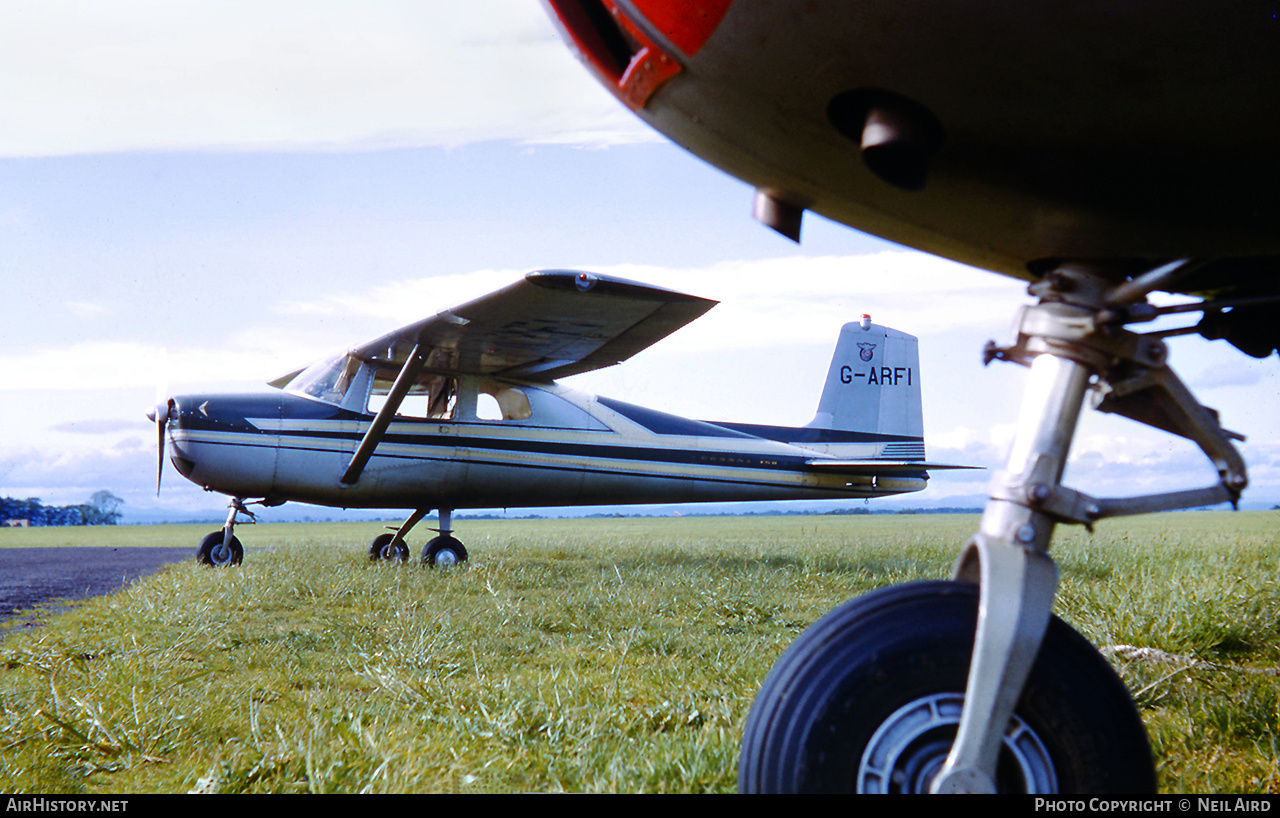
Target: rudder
{"x":873,"y":384}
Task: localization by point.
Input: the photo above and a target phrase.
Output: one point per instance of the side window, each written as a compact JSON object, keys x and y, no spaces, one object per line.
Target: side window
{"x":487,"y":407}
{"x":500,"y":402}
{"x":433,"y":397}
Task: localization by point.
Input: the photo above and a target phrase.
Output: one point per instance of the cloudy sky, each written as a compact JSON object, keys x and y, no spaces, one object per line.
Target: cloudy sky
{"x":199,"y":195}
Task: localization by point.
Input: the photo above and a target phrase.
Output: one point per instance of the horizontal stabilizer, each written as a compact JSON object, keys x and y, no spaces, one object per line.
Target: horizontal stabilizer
{"x":886,"y":467}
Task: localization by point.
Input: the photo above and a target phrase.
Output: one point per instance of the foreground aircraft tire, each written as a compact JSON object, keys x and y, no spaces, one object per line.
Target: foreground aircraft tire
{"x":443,"y":551}
{"x":211,"y":551}
{"x":381,"y":549}
{"x":868,"y":699}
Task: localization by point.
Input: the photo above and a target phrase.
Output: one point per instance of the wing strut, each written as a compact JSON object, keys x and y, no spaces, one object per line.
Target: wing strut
{"x":408,"y":374}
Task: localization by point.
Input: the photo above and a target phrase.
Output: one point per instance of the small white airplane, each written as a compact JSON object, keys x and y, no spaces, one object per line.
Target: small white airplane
{"x":463,"y":410}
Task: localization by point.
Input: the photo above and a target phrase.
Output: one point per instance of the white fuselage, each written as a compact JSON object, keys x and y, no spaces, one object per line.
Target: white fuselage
{"x":573,"y":449}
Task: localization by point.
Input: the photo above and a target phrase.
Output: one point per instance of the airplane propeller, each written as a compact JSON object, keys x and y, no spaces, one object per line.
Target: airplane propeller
{"x":161,"y":414}
{"x":162,"y":410}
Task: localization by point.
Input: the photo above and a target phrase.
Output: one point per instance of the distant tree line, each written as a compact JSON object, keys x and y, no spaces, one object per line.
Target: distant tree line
{"x":615,"y":515}
{"x":103,"y":508}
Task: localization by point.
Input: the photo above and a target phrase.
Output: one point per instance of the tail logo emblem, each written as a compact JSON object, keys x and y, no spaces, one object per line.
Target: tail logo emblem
{"x":865,"y":350}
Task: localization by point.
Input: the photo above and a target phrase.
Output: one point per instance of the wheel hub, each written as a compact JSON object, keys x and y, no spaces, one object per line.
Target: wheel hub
{"x":909,"y":748}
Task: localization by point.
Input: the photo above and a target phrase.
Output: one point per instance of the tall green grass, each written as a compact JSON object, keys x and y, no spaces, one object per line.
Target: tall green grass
{"x":583,"y":655}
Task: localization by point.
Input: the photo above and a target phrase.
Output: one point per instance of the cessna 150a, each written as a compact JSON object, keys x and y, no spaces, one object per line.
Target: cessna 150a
{"x":1102,"y":151}
{"x":463,"y":410}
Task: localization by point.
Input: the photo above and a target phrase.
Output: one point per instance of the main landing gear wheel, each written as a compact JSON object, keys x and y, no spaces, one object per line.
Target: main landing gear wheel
{"x":382,"y":549}
{"x":443,"y":551}
{"x":869,"y":697}
{"x":213,"y":552}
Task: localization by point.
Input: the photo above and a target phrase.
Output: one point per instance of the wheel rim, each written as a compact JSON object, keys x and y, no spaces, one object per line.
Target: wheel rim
{"x":910,"y":747}
{"x":220,"y":554}
{"x":446,"y":557}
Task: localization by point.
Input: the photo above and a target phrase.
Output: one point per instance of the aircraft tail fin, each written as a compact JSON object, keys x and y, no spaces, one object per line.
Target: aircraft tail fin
{"x":873,"y":384}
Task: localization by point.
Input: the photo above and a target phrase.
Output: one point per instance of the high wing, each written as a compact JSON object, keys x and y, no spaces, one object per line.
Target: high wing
{"x":549,"y":325}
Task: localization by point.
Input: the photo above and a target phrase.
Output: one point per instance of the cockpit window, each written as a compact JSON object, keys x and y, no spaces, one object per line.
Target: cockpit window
{"x":327,"y":380}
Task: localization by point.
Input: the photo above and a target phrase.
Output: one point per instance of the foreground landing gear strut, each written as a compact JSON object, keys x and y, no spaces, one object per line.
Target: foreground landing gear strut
{"x":443,"y":550}
{"x":948,"y":687}
{"x":221,"y":548}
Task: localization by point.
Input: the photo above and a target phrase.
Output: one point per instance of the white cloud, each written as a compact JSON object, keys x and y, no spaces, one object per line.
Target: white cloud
{"x":760,"y":299}
{"x":402,"y":302}
{"x":66,"y":475}
{"x":1241,"y":371}
{"x":90,"y":366}
{"x":983,"y":447}
{"x":82,"y":77}
{"x":99,"y":426}
{"x":84,"y":309}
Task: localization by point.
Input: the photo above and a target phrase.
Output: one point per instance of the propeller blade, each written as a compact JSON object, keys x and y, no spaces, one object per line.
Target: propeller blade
{"x":159,"y":450}
{"x":160,"y":413}
{"x":161,"y":416}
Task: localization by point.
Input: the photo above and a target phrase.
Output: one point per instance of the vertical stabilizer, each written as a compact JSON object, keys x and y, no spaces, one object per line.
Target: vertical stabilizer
{"x":873,"y":384}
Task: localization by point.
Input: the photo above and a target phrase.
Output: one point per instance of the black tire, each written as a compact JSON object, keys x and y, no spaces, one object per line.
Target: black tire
{"x":212,"y":553}
{"x":381,"y":549}
{"x":898,"y":659}
{"x":443,"y":551}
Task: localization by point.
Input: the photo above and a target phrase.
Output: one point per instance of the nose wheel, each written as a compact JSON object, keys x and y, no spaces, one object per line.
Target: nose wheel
{"x":221,"y":549}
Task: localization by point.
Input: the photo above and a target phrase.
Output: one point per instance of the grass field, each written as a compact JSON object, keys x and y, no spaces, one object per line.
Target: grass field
{"x":579,"y":655}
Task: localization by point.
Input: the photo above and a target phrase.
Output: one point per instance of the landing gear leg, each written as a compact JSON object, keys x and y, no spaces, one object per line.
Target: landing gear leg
{"x":1073,"y":340}
{"x":221,"y":548}
{"x":1017,"y":579}
{"x":444,"y":550}
{"x":392,"y":547}
{"x":916,"y":735}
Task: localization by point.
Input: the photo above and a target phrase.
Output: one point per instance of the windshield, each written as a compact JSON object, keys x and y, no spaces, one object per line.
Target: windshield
{"x":327,"y":380}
